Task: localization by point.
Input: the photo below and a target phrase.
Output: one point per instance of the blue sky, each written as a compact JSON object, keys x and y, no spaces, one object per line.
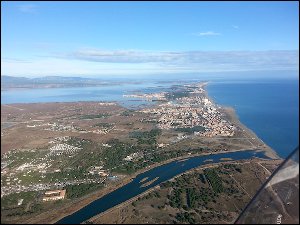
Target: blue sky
{"x":106,"y":38}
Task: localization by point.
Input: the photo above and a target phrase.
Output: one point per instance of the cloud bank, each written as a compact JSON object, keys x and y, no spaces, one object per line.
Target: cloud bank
{"x":97,"y":62}
{"x":201,"y":59}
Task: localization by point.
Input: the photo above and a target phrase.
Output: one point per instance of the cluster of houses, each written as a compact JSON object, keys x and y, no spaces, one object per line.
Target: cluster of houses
{"x":188,"y":112}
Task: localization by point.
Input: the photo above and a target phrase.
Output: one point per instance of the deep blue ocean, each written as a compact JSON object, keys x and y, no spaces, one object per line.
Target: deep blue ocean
{"x":269,"y":107}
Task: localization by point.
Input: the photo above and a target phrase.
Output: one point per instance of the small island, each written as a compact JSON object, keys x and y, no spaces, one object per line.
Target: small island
{"x":150,"y":182}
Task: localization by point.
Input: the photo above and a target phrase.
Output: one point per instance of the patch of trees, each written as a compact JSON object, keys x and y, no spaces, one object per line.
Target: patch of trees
{"x":11,"y":201}
{"x":214,"y":180}
{"x":166,"y":184}
{"x":94,"y":116}
{"x":156,"y":194}
{"x":190,"y":130}
{"x":76,"y":191}
{"x":175,"y":199}
{"x":191,"y":197}
{"x":195,"y":197}
{"x":146,"y":137}
{"x":128,"y":113}
{"x":177,"y":94}
{"x":114,"y":155}
{"x":231,"y":167}
{"x":202,"y":178}
{"x":185,"y":217}
{"x":103,"y":125}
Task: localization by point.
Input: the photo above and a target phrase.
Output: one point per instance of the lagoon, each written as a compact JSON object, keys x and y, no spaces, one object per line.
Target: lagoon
{"x":269,"y":107}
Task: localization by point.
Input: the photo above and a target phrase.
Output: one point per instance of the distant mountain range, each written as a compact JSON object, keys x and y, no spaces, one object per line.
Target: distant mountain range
{"x":11,"y":79}
{"x":9,"y":82}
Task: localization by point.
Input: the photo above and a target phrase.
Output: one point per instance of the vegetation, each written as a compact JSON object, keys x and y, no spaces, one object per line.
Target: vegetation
{"x":76,"y":191}
{"x":202,"y":178}
{"x":113,"y":157}
{"x":11,"y":201}
{"x":186,"y":196}
{"x":197,"y":197}
{"x":214,"y":180}
{"x":128,"y":113}
{"x":17,"y":157}
{"x":94,"y":116}
{"x":79,"y":142}
{"x":185,"y":217}
{"x":190,"y":130}
{"x":147,"y":137}
{"x":191,"y":197}
{"x":30,"y":204}
{"x":176,"y":200}
{"x":231,"y":167}
{"x":177,"y":94}
{"x":104,"y":125}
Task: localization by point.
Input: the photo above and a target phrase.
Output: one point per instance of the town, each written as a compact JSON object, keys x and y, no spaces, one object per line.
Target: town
{"x":193,"y":111}
{"x":64,"y":151}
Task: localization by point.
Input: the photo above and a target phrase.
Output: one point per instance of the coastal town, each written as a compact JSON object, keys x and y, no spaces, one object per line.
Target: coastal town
{"x":84,"y":147}
{"x":193,"y":111}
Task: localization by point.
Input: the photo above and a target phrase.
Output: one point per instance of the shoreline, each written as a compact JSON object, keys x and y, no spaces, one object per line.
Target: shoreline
{"x":77,"y":204}
{"x":234,"y":118}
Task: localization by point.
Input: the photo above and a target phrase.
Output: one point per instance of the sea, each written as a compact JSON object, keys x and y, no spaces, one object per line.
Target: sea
{"x":269,"y":107}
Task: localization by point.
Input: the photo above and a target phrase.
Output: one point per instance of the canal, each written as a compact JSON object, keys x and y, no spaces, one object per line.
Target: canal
{"x":160,"y":174}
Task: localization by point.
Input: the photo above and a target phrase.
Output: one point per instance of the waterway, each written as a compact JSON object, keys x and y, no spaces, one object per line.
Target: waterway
{"x":164,"y":172}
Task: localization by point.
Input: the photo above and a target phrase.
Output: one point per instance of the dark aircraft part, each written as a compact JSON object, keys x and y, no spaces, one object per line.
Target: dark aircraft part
{"x":277,"y":202}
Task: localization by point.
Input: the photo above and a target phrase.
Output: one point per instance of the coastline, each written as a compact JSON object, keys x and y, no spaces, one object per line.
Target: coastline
{"x":234,"y":118}
{"x":76,"y":205}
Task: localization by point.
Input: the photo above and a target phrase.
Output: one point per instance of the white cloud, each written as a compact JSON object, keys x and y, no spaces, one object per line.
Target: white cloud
{"x":242,"y":58}
{"x":207,"y":33}
{"x":100,"y":62}
{"x":27,"y":8}
{"x":235,"y":26}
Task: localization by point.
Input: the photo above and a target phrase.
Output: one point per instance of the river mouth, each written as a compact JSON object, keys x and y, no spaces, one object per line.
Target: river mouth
{"x":157,"y":175}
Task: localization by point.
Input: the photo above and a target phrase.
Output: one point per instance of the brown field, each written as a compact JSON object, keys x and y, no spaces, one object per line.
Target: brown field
{"x":20,"y":136}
